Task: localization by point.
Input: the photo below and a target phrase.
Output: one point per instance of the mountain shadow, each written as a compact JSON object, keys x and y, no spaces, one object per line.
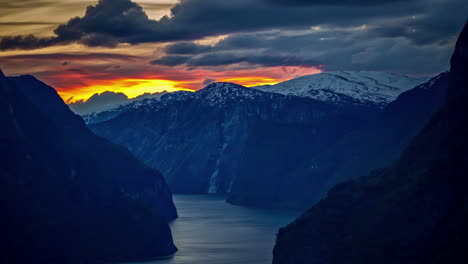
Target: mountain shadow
{"x":67,"y":195}
{"x":413,"y":212}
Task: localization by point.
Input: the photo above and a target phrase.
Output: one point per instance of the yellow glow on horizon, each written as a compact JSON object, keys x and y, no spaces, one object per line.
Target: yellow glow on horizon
{"x":251,"y":81}
{"x":135,"y":87}
{"x":130,"y":87}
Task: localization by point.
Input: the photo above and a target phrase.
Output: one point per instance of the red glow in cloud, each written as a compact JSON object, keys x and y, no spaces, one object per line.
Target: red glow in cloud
{"x":172,"y":79}
{"x":80,"y":75}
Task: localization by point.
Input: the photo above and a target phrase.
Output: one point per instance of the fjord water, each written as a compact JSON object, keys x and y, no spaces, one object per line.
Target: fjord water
{"x":209,"y":230}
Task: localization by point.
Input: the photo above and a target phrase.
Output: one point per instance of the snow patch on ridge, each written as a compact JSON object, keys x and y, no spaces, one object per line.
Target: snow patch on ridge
{"x":367,"y":87}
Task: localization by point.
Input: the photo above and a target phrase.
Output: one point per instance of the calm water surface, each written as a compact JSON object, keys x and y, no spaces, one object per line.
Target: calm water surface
{"x":211,"y":231}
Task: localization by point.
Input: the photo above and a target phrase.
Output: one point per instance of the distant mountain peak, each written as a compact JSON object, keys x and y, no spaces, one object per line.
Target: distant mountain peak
{"x":223,"y":88}
{"x":362,"y":87}
{"x":222,"y":93}
{"x":223,"y":85}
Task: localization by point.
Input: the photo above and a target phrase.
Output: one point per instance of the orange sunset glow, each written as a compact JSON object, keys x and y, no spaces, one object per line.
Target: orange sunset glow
{"x":251,"y":81}
{"x":135,"y":87}
{"x":130,"y":87}
{"x":77,"y":72}
{"x":79,"y":87}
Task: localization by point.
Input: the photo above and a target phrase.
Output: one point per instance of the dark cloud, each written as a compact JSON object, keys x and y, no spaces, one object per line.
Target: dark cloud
{"x":156,"y":6}
{"x":98,"y":102}
{"x":187,"y":48}
{"x":105,"y":24}
{"x":121,"y":21}
{"x":228,"y":58}
{"x":171,"y":60}
{"x":97,"y":39}
{"x":336,"y":34}
{"x":26,"y":42}
{"x":233,"y":42}
{"x":72,"y":57}
{"x":343,"y":49}
{"x":76,"y":70}
{"x":266,"y":60}
{"x":208,"y":81}
{"x":437,"y":25}
{"x":333,"y":2}
{"x":106,"y":100}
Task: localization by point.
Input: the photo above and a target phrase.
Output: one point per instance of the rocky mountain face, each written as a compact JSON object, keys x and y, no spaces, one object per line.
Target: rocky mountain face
{"x":358,"y":87}
{"x":67,"y":195}
{"x":198,"y":140}
{"x":412,"y":212}
{"x":305,"y":181}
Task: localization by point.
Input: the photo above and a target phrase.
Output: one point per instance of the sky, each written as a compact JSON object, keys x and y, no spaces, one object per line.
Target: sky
{"x":83,"y":47}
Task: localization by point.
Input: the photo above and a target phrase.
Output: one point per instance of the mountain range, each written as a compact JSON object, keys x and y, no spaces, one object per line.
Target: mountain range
{"x":227,"y":138}
{"x":198,"y":139}
{"x":347,"y":87}
{"x":359,"y":87}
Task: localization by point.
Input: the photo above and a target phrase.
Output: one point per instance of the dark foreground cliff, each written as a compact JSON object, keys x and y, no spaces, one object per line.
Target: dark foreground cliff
{"x":413,"y":212}
{"x":68,"y":196}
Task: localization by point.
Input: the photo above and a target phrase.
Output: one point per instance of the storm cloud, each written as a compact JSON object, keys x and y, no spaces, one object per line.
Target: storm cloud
{"x":328,"y":49}
{"x":413,"y":37}
{"x":333,"y":2}
{"x":111,"y":22}
{"x":227,"y":58}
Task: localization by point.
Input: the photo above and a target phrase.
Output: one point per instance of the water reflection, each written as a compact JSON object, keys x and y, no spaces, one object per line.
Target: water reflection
{"x":209,"y":230}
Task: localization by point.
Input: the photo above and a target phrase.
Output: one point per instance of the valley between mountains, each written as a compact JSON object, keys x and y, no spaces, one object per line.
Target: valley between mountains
{"x":377,"y":163}
{"x":280,"y":146}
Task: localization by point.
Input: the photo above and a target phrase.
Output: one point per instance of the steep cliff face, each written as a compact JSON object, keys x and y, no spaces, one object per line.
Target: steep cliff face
{"x":413,"y":212}
{"x":198,"y":140}
{"x":68,"y":196}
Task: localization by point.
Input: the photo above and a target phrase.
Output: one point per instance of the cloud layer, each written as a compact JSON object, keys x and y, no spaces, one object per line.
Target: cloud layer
{"x":107,"y":100}
{"x":259,"y":39}
{"x":111,"y":22}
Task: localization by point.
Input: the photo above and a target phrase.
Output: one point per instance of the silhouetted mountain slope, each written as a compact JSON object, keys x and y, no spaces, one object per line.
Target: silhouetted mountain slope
{"x":307,"y":179}
{"x":199,"y":139}
{"x":67,"y":195}
{"x":413,"y":212}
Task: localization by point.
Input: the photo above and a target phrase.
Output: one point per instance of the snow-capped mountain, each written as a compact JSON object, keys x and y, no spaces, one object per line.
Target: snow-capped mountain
{"x":148,"y":103}
{"x":198,"y":139}
{"x":365,"y":87}
{"x":375,"y":89}
{"x":222,"y":93}
{"x":215,"y":94}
